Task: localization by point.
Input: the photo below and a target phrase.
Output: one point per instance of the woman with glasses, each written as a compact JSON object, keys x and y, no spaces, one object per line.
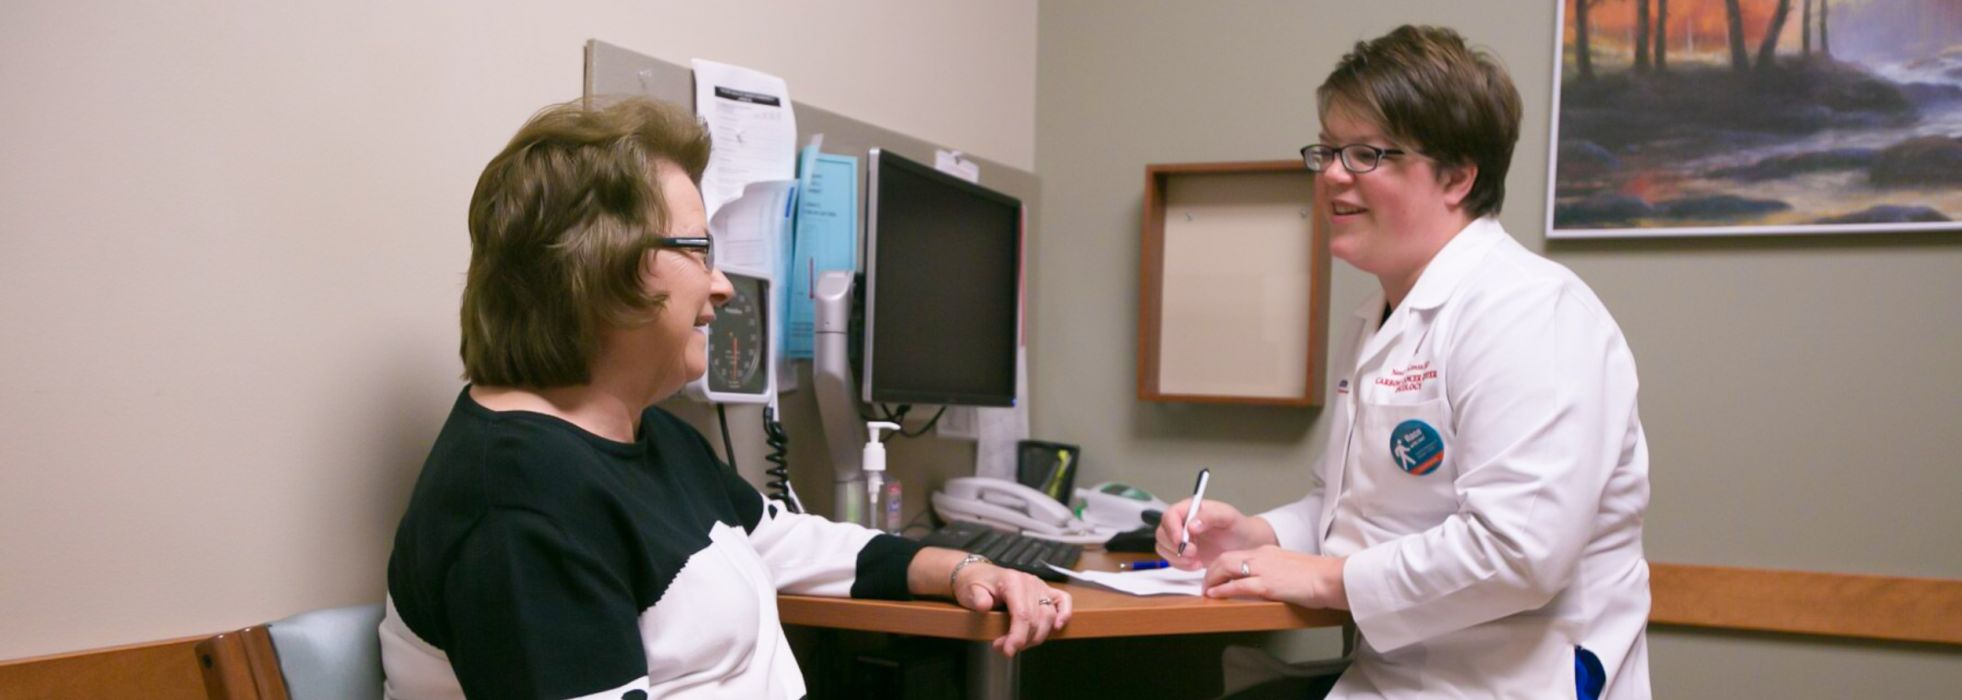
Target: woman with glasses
{"x":566,"y":537}
{"x":1478,"y":510}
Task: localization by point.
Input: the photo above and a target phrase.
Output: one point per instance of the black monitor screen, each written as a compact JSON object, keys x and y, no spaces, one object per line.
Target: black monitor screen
{"x":943,"y":280}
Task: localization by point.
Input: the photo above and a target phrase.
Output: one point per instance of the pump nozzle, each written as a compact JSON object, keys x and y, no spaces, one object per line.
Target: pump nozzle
{"x":875,"y":451}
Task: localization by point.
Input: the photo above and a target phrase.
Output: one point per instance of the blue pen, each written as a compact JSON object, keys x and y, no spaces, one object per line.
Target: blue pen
{"x":1145,"y":565}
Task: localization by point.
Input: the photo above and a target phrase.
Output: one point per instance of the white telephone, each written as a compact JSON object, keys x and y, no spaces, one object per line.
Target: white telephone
{"x":1006,"y":505}
{"x":1121,"y":506}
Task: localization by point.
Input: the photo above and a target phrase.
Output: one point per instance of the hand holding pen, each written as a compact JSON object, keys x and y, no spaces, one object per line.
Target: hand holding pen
{"x":1216,"y":528}
{"x":1192,"y":508}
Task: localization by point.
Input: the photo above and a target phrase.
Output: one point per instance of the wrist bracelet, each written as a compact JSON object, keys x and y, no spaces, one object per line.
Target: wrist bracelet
{"x":969,"y":559}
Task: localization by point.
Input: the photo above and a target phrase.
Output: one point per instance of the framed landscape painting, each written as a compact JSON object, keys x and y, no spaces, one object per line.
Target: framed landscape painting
{"x":1724,"y":117}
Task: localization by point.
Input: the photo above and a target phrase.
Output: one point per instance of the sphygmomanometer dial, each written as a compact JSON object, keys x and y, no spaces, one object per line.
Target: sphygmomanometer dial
{"x":738,"y":341}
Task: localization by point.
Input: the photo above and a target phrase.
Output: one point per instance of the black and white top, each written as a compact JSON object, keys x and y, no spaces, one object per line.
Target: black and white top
{"x":537,"y":560}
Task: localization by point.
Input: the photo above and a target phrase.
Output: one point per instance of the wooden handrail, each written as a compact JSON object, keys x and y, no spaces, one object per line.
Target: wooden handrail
{"x":1858,"y":606}
{"x":165,"y":669}
{"x":1852,"y":606}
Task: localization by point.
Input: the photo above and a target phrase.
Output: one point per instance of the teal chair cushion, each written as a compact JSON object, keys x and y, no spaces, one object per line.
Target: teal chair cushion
{"x":331,"y":654}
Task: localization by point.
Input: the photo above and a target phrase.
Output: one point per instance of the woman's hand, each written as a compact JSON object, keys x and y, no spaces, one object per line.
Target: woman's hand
{"x":1220,"y":528}
{"x":1307,"y":580}
{"x":1034,"y":609}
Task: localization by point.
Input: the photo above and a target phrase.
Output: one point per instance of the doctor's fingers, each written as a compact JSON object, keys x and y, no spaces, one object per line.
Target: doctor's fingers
{"x":1240,"y":565}
{"x":1213,"y":515}
{"x":1172,"y":522}
{"x":1195,"y":557}
{"x":1225,"y":568}
{"x":1167,"y":546}
{"x":1249,"y":587}
{"x":1235,"y":575}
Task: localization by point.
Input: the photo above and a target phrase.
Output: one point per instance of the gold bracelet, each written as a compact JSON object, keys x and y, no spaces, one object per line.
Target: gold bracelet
{"x":969,"y":559}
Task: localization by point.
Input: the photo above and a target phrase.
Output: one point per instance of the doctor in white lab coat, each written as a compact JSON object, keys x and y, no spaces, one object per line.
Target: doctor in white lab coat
{"x":1479,"y":507}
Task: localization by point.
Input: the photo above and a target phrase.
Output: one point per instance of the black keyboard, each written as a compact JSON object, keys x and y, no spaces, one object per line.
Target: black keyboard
{"x":1019,"y":552}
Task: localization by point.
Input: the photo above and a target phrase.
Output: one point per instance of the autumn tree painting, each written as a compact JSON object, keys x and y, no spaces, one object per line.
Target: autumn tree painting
{"x":1751,"y":116}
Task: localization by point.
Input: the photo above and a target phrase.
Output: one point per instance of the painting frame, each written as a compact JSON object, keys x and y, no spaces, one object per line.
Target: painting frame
{"x":1618,"y":214}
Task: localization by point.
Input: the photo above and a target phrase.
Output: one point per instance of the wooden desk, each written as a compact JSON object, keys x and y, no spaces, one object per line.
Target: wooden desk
{"x":1099,"y":613}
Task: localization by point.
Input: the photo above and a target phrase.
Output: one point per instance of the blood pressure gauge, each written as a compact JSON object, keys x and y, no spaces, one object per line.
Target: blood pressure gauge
{"x":739,"y":344}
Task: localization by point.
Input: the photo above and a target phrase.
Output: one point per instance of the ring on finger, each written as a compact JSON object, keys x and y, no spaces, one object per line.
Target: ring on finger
{"x":1246,"y":568}
{"x":1045,"y":601}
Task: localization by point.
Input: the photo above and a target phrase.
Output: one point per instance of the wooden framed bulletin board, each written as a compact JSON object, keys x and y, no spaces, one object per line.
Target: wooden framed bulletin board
{"x":1233,"y":285}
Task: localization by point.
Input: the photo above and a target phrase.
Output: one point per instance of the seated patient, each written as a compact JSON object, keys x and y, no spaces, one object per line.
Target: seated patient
{"x":567,"y":538}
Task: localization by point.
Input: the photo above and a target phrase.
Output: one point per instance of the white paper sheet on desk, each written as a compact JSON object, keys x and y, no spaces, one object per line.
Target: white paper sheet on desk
{"x":1167,"y":581}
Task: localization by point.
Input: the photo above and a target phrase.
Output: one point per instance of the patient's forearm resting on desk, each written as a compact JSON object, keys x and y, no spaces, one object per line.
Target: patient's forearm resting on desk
{"x":1034,"y":608}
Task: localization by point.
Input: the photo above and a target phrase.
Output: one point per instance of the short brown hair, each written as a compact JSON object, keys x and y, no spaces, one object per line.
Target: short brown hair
{"x":1430,"y":92}
{"x":559,"y":226}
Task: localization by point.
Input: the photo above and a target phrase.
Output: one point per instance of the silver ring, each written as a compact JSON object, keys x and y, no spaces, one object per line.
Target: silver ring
{"x":1246,"y":569}
{"x":1045,"y":601}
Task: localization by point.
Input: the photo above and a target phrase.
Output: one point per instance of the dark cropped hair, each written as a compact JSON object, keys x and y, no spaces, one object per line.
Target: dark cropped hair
{"x":1430,"y":92}
{"x":559,"y":225}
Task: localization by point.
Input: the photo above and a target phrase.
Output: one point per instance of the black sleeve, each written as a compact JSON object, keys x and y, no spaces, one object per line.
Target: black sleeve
{"x":535,"y":615}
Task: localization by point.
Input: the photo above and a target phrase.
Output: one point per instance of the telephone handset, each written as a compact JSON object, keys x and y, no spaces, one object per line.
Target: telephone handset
{"x":1006,"y":505}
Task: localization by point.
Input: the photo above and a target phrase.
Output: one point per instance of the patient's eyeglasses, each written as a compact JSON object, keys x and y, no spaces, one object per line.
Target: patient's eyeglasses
{"x":702,"y":243}
{"x":1358,"y":158}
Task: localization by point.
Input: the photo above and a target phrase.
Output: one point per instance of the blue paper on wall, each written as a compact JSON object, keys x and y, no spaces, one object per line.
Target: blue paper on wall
{"x":824,"y":237}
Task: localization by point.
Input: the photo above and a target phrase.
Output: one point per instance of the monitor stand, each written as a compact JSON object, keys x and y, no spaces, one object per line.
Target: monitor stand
{"x":837,"y":395}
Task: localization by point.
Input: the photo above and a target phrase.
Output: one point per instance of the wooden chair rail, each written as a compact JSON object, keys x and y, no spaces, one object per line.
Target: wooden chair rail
{"x":163,"y":670}
{"x":1850,"y":606}
{"x":241,"y":665}
{"x":1802,"y":602}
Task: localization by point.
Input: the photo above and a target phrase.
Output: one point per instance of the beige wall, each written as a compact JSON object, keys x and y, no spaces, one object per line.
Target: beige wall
{"x":231,"y":243}
{"x":1800,"y":394}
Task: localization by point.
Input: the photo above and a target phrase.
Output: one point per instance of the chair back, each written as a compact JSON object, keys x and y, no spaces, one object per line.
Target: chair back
{"x":329,"y":654}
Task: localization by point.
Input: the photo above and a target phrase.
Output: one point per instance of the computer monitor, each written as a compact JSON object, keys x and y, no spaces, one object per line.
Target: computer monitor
{"x":942,"y":285}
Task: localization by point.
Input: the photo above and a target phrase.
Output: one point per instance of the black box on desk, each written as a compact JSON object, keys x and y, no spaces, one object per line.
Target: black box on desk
{"x":1049,"y":467}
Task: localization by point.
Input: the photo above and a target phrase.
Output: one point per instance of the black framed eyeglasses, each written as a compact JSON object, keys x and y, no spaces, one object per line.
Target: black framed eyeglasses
{"x":1358,"y":158}
{"x":705,"y":244}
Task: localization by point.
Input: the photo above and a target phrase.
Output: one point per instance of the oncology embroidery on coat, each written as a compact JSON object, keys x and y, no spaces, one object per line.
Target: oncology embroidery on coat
{"x":1411,"y":378}
{"x":1417,"y":447}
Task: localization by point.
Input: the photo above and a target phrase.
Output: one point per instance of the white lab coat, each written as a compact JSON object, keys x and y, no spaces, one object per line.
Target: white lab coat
{"x":1478,"y":577}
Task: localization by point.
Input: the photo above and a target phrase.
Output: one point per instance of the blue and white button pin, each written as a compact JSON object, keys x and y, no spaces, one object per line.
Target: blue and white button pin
{"x":1416,"y":447}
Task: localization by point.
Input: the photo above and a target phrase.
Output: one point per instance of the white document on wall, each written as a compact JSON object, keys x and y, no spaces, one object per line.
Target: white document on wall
{"x":749,"y":232}
{"x":955,"y":164}
{"x":825,"y":238}
{"x":749,"y":116}
{"x":749,"y":229}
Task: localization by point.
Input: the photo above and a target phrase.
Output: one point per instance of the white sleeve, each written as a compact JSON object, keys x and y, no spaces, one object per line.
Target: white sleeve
{"x":1294,"y":524}
{"x":811,"y":555}
{"x":1542,"y":390}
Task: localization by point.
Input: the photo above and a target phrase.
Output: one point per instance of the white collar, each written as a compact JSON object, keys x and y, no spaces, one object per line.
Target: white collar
{"x":1453,"y":263}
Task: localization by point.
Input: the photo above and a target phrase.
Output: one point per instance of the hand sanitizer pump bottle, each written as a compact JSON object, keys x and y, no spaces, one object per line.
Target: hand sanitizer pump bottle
{"x":881,"y":499}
